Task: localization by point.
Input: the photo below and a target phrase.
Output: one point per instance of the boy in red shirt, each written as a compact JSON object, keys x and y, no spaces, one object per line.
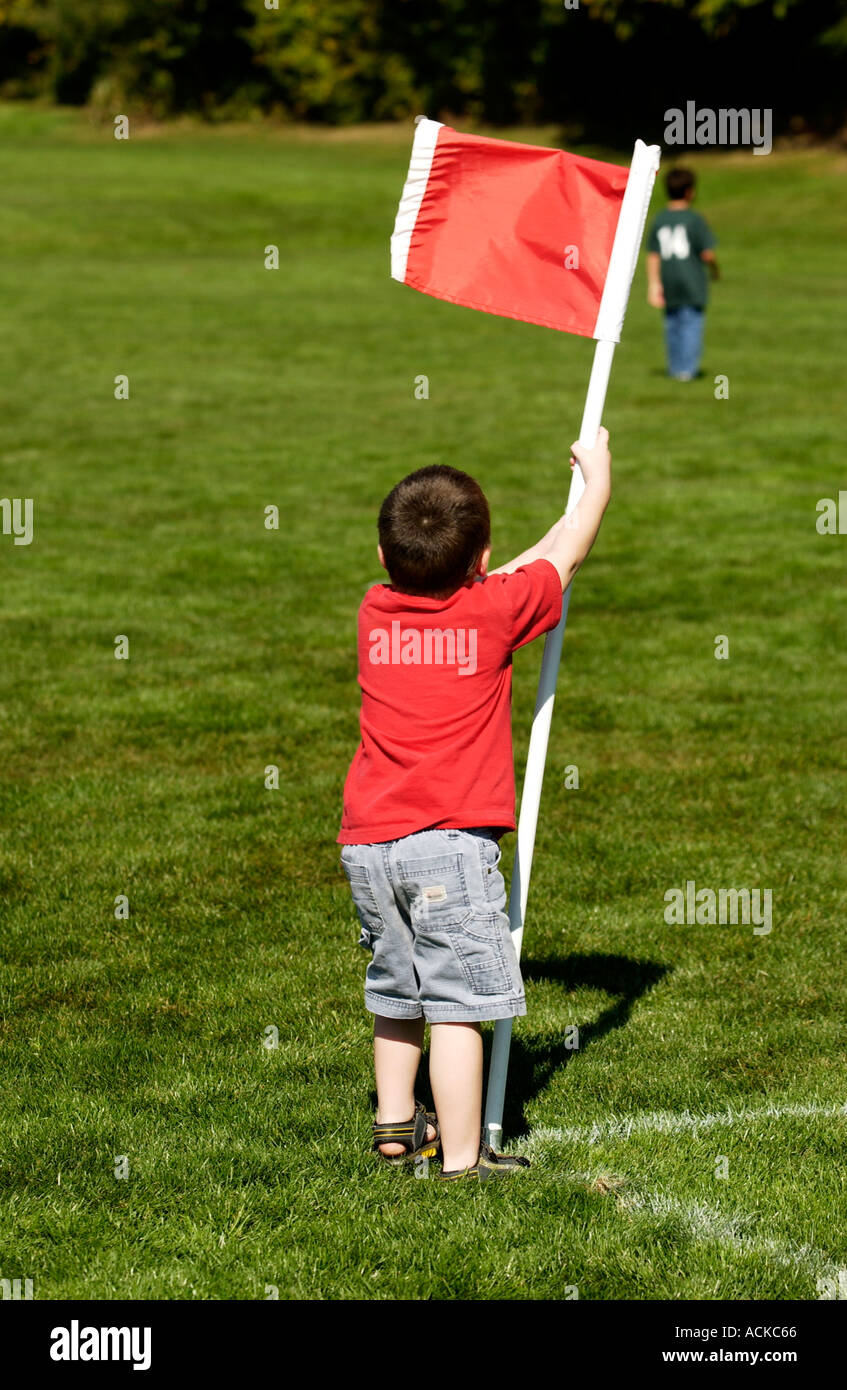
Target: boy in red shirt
{"x":431,"y":790}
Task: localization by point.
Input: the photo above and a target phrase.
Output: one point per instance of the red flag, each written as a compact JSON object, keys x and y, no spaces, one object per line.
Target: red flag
{"x":512,"y":229}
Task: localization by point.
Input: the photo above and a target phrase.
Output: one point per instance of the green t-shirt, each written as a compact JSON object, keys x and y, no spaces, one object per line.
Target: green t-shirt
{"x":679,"y":236}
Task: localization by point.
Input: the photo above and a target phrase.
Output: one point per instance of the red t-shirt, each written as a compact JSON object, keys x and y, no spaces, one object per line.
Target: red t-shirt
{"x":436,"y":679}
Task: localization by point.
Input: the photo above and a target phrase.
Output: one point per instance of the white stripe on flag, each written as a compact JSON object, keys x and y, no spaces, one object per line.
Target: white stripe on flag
{"x":627,"y":244}
{"x":420,"y":164}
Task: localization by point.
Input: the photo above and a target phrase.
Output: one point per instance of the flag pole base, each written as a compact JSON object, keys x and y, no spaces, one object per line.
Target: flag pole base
{"x":494,"y":1136}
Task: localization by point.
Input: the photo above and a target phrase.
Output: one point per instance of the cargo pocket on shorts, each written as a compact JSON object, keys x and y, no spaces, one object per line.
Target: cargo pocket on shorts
{"x":364,"y":901}
{"x":436,"y":890}
{"x":495,"y":884}
{"x":479,"y":947}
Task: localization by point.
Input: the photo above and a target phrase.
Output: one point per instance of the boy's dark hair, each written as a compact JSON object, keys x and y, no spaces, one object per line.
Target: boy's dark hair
{"x":433,"y":528}
{"x":679,"y":183}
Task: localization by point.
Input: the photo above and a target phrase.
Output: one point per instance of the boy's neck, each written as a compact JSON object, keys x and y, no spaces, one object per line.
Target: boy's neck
{"x":679,"y":204}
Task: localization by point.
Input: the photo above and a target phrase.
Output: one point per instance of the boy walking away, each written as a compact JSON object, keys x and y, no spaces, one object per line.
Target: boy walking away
{"x":431,"y":790}
{"x":679,"y":248}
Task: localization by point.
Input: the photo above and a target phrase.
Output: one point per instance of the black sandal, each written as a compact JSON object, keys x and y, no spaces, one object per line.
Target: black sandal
{"x":488,"y":1165}
{"x":411,"y":1134}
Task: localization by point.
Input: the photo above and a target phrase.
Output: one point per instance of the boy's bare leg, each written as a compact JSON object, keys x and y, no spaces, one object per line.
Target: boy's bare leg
{"x":397,"y":1055}
{"x":455,"y":1074}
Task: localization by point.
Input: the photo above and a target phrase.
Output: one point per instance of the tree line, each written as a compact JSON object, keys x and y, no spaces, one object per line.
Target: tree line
{"x":590,"y":65}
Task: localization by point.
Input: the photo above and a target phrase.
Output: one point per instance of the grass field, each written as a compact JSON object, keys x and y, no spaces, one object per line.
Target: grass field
{"x":144,"y":1036}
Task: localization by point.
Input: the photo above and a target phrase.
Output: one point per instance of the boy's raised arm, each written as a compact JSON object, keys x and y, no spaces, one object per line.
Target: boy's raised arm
{"x":568,"y":542}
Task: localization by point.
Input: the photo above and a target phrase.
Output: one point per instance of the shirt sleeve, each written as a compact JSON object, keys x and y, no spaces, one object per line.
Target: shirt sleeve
{"x":706,"y":236}
{"x":533,"y":601}
{"x":653,"y":237}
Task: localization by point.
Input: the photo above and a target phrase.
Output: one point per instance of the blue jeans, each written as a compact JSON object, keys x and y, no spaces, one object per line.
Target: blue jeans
{"x":684,"y":339}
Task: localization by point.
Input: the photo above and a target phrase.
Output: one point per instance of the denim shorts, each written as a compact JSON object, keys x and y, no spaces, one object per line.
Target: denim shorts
{"x":432,"y":913}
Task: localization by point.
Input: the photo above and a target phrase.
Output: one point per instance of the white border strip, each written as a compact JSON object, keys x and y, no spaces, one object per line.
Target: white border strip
{"x":708,"y":1225}
{"x":420,"y":164}
{"x":705,"y":1224}
{"x":683,"y":1122}
{"x":627,"y":243}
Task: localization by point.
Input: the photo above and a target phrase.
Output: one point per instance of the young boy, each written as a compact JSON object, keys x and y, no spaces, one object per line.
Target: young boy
{"x":679,"y":248}
{"x":431,"y":790}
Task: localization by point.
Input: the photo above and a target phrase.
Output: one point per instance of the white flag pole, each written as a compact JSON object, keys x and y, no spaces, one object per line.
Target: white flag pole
{"x":622,"y":263}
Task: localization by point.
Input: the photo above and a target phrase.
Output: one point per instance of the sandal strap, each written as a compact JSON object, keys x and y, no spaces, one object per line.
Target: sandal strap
{"x":410,"y":1133}
{"x":394,"y":1127}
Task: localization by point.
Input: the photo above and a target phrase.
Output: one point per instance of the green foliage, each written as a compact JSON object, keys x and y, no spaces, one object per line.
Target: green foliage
{"x":325,"y":59}
{"x":712,"y":16}
{"x":339,"y":61}
{"x":835,"y":37}
{"x":161,"y":54}
{"x":721,"y":18}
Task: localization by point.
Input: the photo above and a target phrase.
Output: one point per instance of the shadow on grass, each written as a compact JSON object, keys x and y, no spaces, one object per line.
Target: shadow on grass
{"x":534,"y":1059}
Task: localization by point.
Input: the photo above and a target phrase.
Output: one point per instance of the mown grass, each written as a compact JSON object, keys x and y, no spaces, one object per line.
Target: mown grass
{"x":145,"y":1036}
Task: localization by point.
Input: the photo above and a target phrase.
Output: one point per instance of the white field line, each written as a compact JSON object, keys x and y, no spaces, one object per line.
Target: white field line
{"x":671,"y":1122}
{"x":705,"y":1224}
